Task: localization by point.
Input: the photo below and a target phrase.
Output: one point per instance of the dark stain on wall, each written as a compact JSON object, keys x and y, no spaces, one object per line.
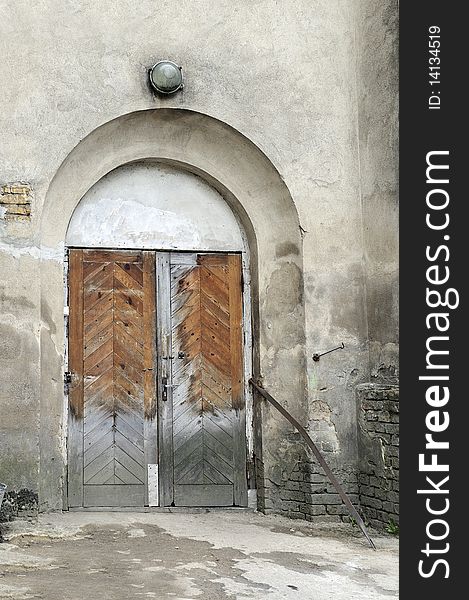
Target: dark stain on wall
{"x":286,"y":249}
{"x":283,"y":306}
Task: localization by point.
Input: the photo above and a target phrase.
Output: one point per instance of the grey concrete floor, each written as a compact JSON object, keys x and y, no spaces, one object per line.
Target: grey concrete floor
{"x":204,"y":556}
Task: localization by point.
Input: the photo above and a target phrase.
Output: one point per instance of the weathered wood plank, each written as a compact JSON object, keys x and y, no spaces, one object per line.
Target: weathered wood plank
{"x":135,"y":270}
{"x":95,"y":327}
{"x":103,"y":475}
{"x":90,"y":268}
{"x":123,"y":256}
{"x":98,"y":355}
{"x":194,"y":444}
{"x":131,"y":449}
{"x":94,"y":292}
{"x":131,"y":418}
{"x":95,"y":447}
{"x":113,"y":495}
{"x":125,"y":475}
{"x":222,"y":430}
{"x":165,"y":408}
{"x":127,"y":281}
{"x":216,"y":462}
{"x":135,"y":467}
{"x":75,"y":359}
{"x":237,"y":380}
{"x":91,"y":345}
{"x":190,"y":472}
{"x":124,"y":338}
{"x":130,"y":326}
{"x":99,"y":309}
{"x":214,"y":475}
{"x":125,"y":310}
{"x":217,"y":447}
{"x":94,"y":385}
{"x":95,"y":421}
{"x":203,"y":495}
{"x":122,"y":357}
{"x":128,"y":296}
{"x":95,"y":466}
{"x":129,"y":433}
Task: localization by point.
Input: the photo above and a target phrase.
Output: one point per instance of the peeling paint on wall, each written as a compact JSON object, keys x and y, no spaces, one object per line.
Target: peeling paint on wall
{"x":36,"y":252}
{"x":151,"y":205}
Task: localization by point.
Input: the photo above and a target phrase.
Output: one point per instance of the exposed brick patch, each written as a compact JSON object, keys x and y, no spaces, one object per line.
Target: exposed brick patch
{"x":305,"y":492}
{"x":15,"y":202}
{"x":378,"y":417}
{"x":308,"y":494}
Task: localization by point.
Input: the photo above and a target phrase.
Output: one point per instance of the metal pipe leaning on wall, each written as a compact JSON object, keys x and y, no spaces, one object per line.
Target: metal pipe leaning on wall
{"x":333,"y":479}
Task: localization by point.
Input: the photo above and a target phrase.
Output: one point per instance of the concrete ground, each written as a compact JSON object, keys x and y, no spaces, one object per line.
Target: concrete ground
{"x":206,"y":556}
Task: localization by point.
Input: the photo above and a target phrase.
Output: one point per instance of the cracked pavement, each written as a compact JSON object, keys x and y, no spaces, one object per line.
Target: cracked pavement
{"x":205,"y":555}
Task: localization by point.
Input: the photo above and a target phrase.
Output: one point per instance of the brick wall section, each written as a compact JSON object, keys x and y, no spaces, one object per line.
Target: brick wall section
{"x":309,"y":495}
{"x":15,"y":202}
{"x":378,"y":417}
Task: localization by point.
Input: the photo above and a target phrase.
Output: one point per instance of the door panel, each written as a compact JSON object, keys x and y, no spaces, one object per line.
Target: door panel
{"x":208,"y":444}
{"x":112,"y":436}
{"x":121,"y":341}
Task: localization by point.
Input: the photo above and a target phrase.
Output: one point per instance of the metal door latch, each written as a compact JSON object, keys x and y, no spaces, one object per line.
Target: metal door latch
{"x":165,"y":385}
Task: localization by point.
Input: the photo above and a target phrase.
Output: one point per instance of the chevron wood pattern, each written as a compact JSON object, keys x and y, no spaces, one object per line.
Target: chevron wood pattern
{"x":112,"y":357}
{"x":206,"y":379}
{"x":116,"y":353}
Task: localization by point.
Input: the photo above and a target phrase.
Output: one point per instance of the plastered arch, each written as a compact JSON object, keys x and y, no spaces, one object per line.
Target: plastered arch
{"x":261,"y":201}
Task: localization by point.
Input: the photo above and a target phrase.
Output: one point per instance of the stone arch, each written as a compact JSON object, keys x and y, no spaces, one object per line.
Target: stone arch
{"x":259,"y":198}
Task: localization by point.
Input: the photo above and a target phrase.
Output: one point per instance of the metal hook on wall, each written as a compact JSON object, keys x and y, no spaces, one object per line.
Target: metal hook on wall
{"x":317,"y":356}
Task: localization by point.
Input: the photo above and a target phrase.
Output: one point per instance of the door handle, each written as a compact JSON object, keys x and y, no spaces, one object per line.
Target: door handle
{"x":165,"y":385}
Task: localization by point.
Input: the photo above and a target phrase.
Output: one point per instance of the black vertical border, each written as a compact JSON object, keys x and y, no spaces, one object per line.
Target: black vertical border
{"x":421,"y":131}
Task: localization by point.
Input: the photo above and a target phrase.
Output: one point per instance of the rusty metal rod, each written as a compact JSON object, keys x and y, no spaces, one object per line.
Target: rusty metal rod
{"x":335,"y":482}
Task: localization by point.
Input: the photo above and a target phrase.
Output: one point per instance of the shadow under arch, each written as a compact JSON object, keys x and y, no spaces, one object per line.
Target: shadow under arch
{"x":259,"y":198}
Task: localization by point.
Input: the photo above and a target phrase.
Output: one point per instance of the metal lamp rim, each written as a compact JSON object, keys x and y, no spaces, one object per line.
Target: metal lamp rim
{"x":159,"y":90}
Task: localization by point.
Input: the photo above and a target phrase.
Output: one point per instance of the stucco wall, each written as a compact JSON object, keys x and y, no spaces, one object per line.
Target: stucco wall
{"x":377,"y":83}
{"x":309,"y":83}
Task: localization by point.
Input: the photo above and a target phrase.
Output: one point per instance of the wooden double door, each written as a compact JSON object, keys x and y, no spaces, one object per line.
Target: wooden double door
{"x":156,"y":391}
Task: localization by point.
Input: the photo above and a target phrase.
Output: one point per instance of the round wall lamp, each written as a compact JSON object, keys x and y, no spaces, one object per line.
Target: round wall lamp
{"x":166,"y":77}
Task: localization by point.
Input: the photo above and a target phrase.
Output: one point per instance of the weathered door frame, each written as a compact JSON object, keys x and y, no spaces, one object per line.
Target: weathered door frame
{"x":161,"y":256}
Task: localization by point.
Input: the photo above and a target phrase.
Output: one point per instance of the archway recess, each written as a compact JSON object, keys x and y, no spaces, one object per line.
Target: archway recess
{"x":257,"y":195}
{"x":150,"y":205}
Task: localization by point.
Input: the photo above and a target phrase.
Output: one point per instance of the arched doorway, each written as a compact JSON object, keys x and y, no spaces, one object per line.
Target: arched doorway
{"x":159,"y":324}
{"x":257,"y":196}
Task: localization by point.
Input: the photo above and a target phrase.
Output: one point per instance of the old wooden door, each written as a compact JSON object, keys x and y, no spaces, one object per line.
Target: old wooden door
{"x":133,"y":358}
{"x":203,"y":454}
{"x":112,"y":434}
